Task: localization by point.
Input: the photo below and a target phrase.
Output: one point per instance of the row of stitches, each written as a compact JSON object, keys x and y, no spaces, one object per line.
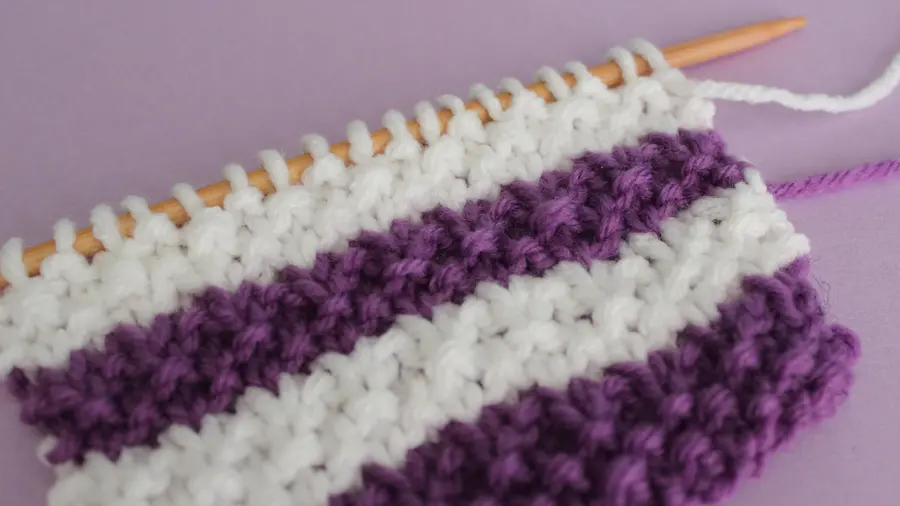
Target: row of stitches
{"x":373,"y":405}
{"x":681,"y":429}
{"x":73,"y":303}
{"x":189,"y":363}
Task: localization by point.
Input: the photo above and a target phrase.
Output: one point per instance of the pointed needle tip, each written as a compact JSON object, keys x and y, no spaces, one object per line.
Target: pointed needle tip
{"x":791,"y":24}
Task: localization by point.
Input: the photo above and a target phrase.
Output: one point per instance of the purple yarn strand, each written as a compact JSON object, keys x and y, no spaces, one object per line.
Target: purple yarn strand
{"x":820,"y":184}
{"x":682,"y":428}
{"x":198,"y":361}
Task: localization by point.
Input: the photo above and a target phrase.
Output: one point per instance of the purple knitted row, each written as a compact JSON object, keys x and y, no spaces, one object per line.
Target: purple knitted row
{"x":681,"y":429}
{"x":191,"y":363}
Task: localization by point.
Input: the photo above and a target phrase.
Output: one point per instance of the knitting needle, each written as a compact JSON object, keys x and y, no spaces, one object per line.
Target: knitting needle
{"x":680,"y":55}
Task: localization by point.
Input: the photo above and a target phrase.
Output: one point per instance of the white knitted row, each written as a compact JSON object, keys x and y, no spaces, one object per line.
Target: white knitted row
{"x":73,"y":303}
{"x":393,"y":392}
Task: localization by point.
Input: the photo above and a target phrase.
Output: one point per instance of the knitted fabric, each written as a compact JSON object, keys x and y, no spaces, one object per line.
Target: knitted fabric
{"x":583,"y":301}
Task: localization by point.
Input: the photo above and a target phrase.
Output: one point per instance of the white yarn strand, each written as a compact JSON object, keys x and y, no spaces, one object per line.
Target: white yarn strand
{"x":876,"y":91}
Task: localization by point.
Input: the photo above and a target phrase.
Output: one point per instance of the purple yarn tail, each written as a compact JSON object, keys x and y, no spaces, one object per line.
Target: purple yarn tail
{"x":834,"y":181}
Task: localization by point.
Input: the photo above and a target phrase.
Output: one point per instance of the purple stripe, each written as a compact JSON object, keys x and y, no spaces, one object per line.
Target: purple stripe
{"x":681,"y":429}
{"x":196,"y":362}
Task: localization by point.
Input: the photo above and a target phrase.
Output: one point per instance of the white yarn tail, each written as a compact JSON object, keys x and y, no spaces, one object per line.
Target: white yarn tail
{"x":758,"y":94}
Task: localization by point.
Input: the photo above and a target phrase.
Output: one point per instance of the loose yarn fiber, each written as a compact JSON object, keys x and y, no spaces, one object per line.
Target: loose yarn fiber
{"x":589,"y":301}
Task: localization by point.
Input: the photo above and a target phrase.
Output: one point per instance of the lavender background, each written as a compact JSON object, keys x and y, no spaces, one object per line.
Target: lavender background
{"x":100,"y":99}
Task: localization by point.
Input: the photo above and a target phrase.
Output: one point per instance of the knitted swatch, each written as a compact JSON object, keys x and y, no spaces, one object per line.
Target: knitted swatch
{"x":587,"y":301}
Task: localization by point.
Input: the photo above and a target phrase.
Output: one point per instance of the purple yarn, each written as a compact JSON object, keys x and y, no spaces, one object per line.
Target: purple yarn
{"x":191,"y":363}
{"x":681,"y":429}
{"x":834,"y":181}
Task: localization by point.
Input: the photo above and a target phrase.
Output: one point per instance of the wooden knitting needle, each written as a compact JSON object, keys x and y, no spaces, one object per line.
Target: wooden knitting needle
{"x":680,"y":55}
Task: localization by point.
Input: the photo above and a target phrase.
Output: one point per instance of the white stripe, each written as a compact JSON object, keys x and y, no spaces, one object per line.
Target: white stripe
{"x":73,"y":303}
{"x":392,"y":392}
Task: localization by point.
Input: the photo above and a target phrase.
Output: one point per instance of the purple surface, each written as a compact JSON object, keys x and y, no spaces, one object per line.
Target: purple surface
{"x":682,"y":429}
{"x":191,"y":363}
{"x":101,"y":99}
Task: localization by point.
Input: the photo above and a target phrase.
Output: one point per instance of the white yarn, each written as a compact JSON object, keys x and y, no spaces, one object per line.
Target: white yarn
{"x":11,"y":266}
{"x":74,"y":303}
{"x":393,"y":392}
{"x":877,"y":90}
